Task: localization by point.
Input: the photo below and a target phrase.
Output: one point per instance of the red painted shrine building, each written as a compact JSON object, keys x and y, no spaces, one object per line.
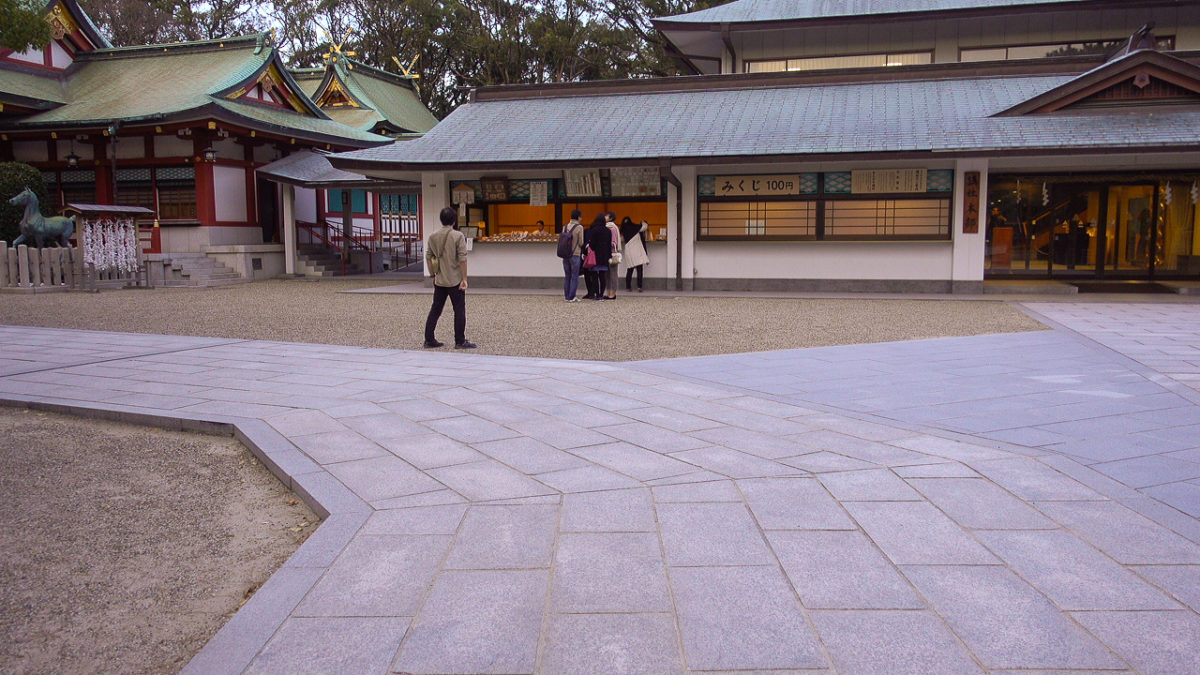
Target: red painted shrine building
{"x":181,"y":129}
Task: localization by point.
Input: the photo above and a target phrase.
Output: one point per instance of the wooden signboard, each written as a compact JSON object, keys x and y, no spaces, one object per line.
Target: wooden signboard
{"x":582,"y":182}
{"x":494,"y":189}
{"x":971,"y":202}
{"x":635,"y":182}
{"x":888,"y":181}
{"x":756,"y":185}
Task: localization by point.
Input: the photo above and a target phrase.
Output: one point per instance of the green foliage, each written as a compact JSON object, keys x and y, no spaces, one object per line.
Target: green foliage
{"x":23,"y":26}
{"x":15,"y":177}
{"x":471,"y":43}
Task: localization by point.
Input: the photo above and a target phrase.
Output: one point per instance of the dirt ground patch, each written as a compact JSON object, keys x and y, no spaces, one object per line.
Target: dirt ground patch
{"x":124,"y":549}
{"x":635,"y":327}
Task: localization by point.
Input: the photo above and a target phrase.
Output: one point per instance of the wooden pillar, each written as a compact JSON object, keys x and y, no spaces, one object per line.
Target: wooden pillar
{"x":104,"y":174}
{"x":289,"y":229}
{"x":206,"y":199}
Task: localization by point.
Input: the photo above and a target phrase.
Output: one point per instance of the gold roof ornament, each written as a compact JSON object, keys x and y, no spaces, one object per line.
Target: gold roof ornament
{"x":335,"y":50}
{"x":408,"y":71}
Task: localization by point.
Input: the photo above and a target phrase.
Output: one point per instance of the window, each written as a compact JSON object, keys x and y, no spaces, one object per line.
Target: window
{"x":78,"y":186}
{"x":830,"y":62}
{"x":135,"y":187}
{"x":358,"y":201}
{"x":883,"y":204}
{"x":759,"y":219}
{"x":176,"y":187}
{"x":887,"y":219}
{"x":1042,"y":51}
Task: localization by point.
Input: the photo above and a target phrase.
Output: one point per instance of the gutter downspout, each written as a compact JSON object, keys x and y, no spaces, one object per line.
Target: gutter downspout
{"x":664,"y":170}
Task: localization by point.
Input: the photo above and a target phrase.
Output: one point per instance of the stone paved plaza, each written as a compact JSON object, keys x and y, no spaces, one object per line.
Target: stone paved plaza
{"x":1018,"y":502}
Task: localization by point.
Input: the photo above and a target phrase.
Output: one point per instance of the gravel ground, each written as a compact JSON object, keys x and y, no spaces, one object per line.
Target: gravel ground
{"x":124,"y":549}
{"x":635,"y":327}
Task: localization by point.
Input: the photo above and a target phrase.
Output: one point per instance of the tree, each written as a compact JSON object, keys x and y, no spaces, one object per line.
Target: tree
{"x":141,"y":22}
{"x":23,"y":25}
{"x":15,"y":177}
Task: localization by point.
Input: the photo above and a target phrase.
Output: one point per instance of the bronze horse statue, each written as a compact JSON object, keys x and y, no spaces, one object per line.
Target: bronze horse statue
{"x":35,"y":225}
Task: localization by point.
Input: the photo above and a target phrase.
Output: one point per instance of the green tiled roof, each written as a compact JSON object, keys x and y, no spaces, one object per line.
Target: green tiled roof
{"x":385,"y":97}
{"x":176,"y":81}
{"x":156,"y":81}
{"x":288,"y":120}
{"x":391,"y":96}
{"x":28,"y":85}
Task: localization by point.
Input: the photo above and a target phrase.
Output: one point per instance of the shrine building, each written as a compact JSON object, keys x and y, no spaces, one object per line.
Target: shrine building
{"x":181,"y":129}
{"x":916,"y":146}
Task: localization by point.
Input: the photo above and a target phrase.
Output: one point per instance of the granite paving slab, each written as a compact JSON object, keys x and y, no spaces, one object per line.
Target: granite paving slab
{"x":1010,"y":503}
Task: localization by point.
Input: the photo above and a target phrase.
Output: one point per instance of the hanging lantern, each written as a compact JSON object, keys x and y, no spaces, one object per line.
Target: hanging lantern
{"x":1167,"y":193}
{"x":1045,"y":194}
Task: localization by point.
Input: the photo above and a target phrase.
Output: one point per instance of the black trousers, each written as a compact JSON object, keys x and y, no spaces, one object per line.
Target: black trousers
{"x":629,"y":277}
{"x":590,"y":279}
{"x":458,"y":299}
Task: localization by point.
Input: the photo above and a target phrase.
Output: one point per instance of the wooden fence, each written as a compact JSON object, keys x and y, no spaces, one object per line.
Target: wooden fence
{"x":33,"y":270}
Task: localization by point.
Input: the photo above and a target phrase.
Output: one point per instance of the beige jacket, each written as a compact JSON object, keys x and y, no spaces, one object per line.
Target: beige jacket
{"x":450,"y":246}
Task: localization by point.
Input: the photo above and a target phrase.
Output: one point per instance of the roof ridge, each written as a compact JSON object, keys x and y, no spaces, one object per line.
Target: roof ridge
{"x":254,"y":39}
{"x":399,"y":79}
{"x":1058,"y":66}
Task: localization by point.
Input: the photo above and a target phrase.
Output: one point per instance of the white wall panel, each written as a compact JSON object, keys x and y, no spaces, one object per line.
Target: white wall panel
{"x":229,"y":184}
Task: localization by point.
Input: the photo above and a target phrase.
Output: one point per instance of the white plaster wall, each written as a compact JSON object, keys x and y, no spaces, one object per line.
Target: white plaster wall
{"x":687,"y":229}
{"x":130,"y":147}
{"x":227,"y":148}
{"x":265,"y":154}
{"x":31,"y":55}
{"x":59,"y":58}
{"x":435,"y":196}
{"x":229,"y":185}
{"x":969,"y":248}
{"x":507,"y":259}
{"x":172,"y":146}
{"x":824,"y":260}
{"x":306,"y":205}
{"x":945,"y":38}
{"x":30,"y":151}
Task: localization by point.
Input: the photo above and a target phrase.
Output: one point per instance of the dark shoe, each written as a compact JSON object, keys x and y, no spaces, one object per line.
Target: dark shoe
{"x":639,"y":290}
{"x":465,"y":344}
{"x":434,"y":344}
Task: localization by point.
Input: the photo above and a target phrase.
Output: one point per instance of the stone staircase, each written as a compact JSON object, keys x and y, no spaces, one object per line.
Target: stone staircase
{"x":190,"y":269}
{"x":321,"y":262}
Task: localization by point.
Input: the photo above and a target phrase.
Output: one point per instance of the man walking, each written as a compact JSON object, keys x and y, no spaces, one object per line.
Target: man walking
{"x":446,"y":254}
{"x":571,"y":263}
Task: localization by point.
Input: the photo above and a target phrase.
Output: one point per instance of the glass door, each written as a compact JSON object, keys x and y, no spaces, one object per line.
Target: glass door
{"x":1130,"y":239}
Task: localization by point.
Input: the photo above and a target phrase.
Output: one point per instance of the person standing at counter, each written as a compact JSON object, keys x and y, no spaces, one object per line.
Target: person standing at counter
{"x":635,"y":250}
{"x":599,"y":239}
{"x":447,"y":251}
{"x":615,"y":259}
{"x":571,"y":263}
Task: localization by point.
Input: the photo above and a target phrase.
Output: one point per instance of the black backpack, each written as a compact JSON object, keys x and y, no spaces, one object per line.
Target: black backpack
{"x":566,"y":242}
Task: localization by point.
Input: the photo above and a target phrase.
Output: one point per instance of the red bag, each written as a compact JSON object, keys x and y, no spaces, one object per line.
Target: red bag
{"x":590,"y":261}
